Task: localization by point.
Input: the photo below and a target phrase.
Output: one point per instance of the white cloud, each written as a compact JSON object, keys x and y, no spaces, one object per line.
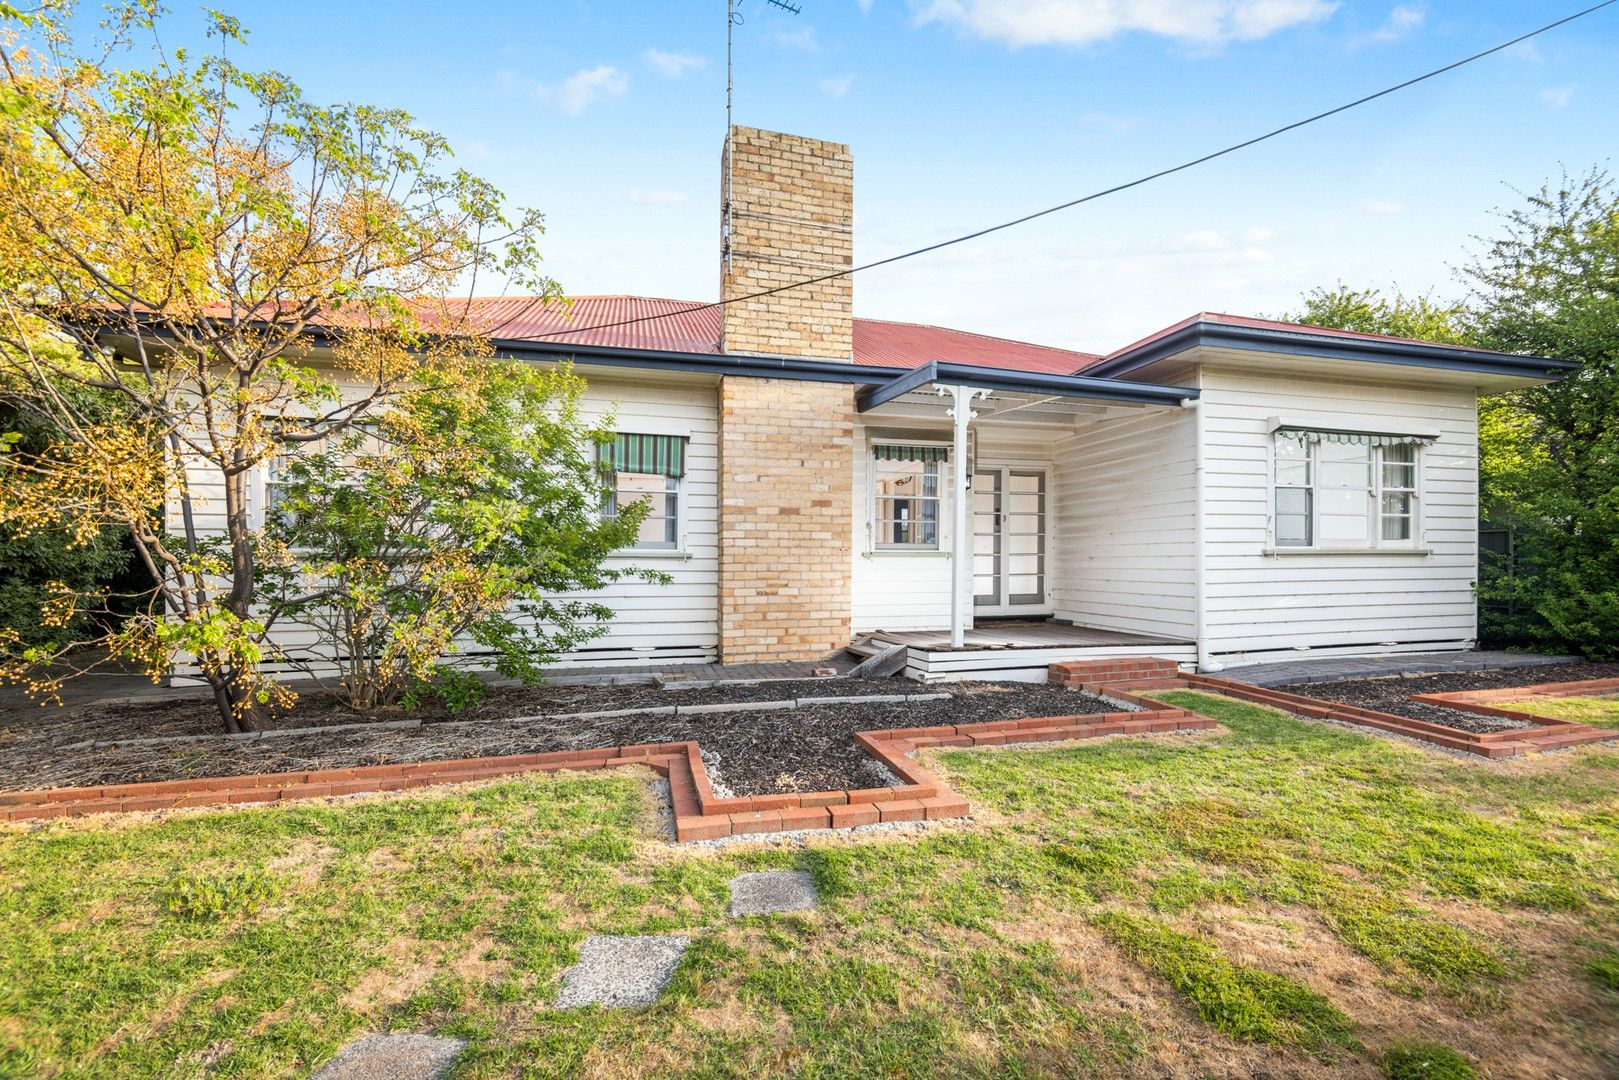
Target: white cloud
{"x":1557,"y":96}
{"x":674,"y":65}
{"x":1081,"y":22}
{"x":583,"y":89}
{"x":657,"y":198}
{"x":837,"y":87}
{"x":1403,"y":19}
{"x":1109,"y":122}
{"x":865,"y":6}
{"x":802,"y":38}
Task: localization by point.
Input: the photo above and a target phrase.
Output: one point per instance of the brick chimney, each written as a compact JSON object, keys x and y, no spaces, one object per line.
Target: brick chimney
{"x":786,"y":446}
{"x":791,"y":218}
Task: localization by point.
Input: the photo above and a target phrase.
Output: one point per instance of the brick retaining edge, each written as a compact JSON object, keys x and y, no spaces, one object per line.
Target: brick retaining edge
{"x":699,"y":814}
{"x":1547,"y":733}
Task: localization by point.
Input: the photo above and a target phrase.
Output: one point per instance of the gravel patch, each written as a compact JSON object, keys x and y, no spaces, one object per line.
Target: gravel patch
{"x":810,"y":748}
{"x":620,"y":972}
{"x":393,"y":1057}
{"x":1393,"y":694}
{"x":771,"y":892}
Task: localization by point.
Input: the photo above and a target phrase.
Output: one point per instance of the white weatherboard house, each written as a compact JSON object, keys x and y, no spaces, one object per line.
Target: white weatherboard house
{"x":1226,"y":491}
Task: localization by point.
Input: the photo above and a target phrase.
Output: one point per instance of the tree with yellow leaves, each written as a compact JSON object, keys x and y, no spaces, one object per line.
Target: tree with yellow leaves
{"x":231,"y":261}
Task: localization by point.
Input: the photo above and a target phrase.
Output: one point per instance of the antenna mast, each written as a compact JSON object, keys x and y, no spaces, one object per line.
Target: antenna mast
{"x":733,"y":19}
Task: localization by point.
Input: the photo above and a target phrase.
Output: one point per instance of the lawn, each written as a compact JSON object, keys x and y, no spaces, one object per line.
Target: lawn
{"x":1600,"y":712}
{"x":1277,"y":898}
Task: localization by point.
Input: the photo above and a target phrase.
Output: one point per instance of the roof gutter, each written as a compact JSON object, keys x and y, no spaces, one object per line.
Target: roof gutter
{"x":1303,"y":343}
{"x":780,"y":367}
{"x":1070,"y":386}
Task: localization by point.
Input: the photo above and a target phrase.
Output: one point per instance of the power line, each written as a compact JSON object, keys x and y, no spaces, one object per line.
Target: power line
{"x":1149,"y":178}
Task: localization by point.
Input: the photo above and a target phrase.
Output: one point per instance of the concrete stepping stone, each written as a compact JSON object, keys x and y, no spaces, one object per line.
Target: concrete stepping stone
{"x":620,"y":971}
{"x":393,"y":1057}
{"x":770,"y":892}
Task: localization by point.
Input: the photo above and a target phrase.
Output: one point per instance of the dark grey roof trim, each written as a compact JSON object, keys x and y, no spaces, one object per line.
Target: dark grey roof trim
{"x":1075,"y":386}
{"x":778,"y":367}
{"x":1304,"y":343}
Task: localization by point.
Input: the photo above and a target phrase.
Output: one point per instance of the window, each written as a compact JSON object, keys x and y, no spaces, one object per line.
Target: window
{"x":906,"y":502}
{"x":1344,"y":489}
{"x":651,"y":469}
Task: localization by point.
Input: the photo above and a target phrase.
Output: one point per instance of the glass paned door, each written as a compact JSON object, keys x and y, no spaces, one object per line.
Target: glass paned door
{"x":1009,"y":537}
{"x":986,"y":506}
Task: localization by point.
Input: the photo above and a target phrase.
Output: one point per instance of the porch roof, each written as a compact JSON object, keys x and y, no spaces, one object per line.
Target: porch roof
{"x":1034,"y":396}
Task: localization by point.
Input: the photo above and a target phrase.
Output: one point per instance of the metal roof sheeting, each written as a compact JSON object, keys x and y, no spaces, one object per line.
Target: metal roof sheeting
{"x":692,"y":327}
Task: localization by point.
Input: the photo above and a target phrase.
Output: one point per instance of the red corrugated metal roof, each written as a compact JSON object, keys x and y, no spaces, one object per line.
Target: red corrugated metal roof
{"x":1253,"y":323}
{"x":690,"y":326}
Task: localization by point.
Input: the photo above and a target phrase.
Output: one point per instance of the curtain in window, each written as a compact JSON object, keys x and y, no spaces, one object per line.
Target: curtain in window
{"x":663,"y":455}
{"x":897,"y":452}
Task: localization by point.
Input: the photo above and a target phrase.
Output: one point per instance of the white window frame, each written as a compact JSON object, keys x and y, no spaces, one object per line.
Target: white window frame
{"x":1374,"y":502}
{"x":673,"y":485}
{"x":946,"y":488}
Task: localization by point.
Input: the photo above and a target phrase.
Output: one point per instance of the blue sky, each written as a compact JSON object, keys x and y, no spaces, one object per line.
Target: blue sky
{"x":610,"y":118}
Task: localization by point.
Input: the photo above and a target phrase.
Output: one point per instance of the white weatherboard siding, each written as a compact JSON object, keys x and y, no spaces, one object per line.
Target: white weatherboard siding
{"x":1259,"y":603}
{"x":907,"y":590}
{"x":1124,"y":525}
{"x":679,"y":620}
{"x":897,"y":590}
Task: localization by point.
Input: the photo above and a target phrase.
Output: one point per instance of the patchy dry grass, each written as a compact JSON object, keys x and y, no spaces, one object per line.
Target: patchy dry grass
{"x":1282,"y":899}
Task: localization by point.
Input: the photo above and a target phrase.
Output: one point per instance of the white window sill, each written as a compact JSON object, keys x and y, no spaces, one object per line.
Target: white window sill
{"x":907,"y":553}
{"x":650,"y":553}
{"x":1346,"y":551}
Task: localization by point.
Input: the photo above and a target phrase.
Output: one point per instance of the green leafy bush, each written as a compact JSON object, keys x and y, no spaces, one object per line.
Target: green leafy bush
{"x":218,"y":896}
{"x":457,"y":690}
{"x":1425,"y":1061}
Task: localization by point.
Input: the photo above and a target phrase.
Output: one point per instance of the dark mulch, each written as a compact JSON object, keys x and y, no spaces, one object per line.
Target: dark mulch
{"x":195,"y":714}
{"x":757,"y":752}
{"x":1393,"y":694}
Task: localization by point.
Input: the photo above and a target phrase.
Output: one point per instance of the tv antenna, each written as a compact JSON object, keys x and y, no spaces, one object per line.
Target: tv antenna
{"x":733,"y":19}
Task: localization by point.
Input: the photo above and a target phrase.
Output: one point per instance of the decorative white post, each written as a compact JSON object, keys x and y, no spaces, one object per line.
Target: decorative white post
{"x":960,"y":542}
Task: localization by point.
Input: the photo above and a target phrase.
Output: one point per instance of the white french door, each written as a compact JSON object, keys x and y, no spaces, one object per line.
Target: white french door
{"x":1009,"y":524}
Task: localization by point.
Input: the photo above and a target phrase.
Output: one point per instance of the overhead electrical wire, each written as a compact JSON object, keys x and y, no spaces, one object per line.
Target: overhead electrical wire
{"x":1093,"y":196}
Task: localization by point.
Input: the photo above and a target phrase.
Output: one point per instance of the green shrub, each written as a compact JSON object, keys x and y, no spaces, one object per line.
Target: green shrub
{"x":217,"y":896}
{"x":457,"y":690}
{"x":1425,"y":1061}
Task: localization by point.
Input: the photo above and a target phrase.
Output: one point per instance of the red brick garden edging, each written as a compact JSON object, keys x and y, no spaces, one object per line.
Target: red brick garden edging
{"x":1547,"y":734}
{"x":699,"y":813}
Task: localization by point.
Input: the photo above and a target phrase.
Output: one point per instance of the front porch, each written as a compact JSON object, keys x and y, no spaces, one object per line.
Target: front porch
{"x":1016,"y":650}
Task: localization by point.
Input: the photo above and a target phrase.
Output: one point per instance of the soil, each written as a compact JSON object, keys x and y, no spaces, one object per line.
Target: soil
{"x":1393,"y":694}
{"x":756,"y":752}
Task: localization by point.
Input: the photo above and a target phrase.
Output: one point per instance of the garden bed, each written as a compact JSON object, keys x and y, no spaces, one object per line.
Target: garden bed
{"x":1393,"y":694}
{"x":808,"y":747}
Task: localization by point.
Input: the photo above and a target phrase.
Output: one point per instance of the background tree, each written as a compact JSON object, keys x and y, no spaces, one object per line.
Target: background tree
{"x":1548,"y":285}
{"x":455,"y":515}
{"x":185,"y":228}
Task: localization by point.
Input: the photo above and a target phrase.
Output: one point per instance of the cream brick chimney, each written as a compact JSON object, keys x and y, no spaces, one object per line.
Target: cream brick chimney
{"x":791,"y":217}
{"x":786,"y":446}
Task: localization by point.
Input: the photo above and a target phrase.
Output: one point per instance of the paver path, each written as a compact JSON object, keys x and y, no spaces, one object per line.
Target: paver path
{"x":393,"y":1057}
{"x":620,"y":971}
{"x":771,"y":892}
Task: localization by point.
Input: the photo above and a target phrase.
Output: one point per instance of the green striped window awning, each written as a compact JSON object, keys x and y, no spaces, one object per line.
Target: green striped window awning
{"x":662,"y":455}
{"x":902,"y":452}
{"x":1362,"y":438}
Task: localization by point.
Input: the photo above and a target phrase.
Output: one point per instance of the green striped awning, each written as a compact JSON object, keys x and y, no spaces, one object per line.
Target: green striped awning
{"x":664,"y":455}
{"x":900,"y":452}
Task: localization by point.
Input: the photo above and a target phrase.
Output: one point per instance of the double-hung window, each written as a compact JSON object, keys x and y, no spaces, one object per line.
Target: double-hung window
{"x":906,"y":501}
{"x":1334,"y":489}
{"x":652,"y":469}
